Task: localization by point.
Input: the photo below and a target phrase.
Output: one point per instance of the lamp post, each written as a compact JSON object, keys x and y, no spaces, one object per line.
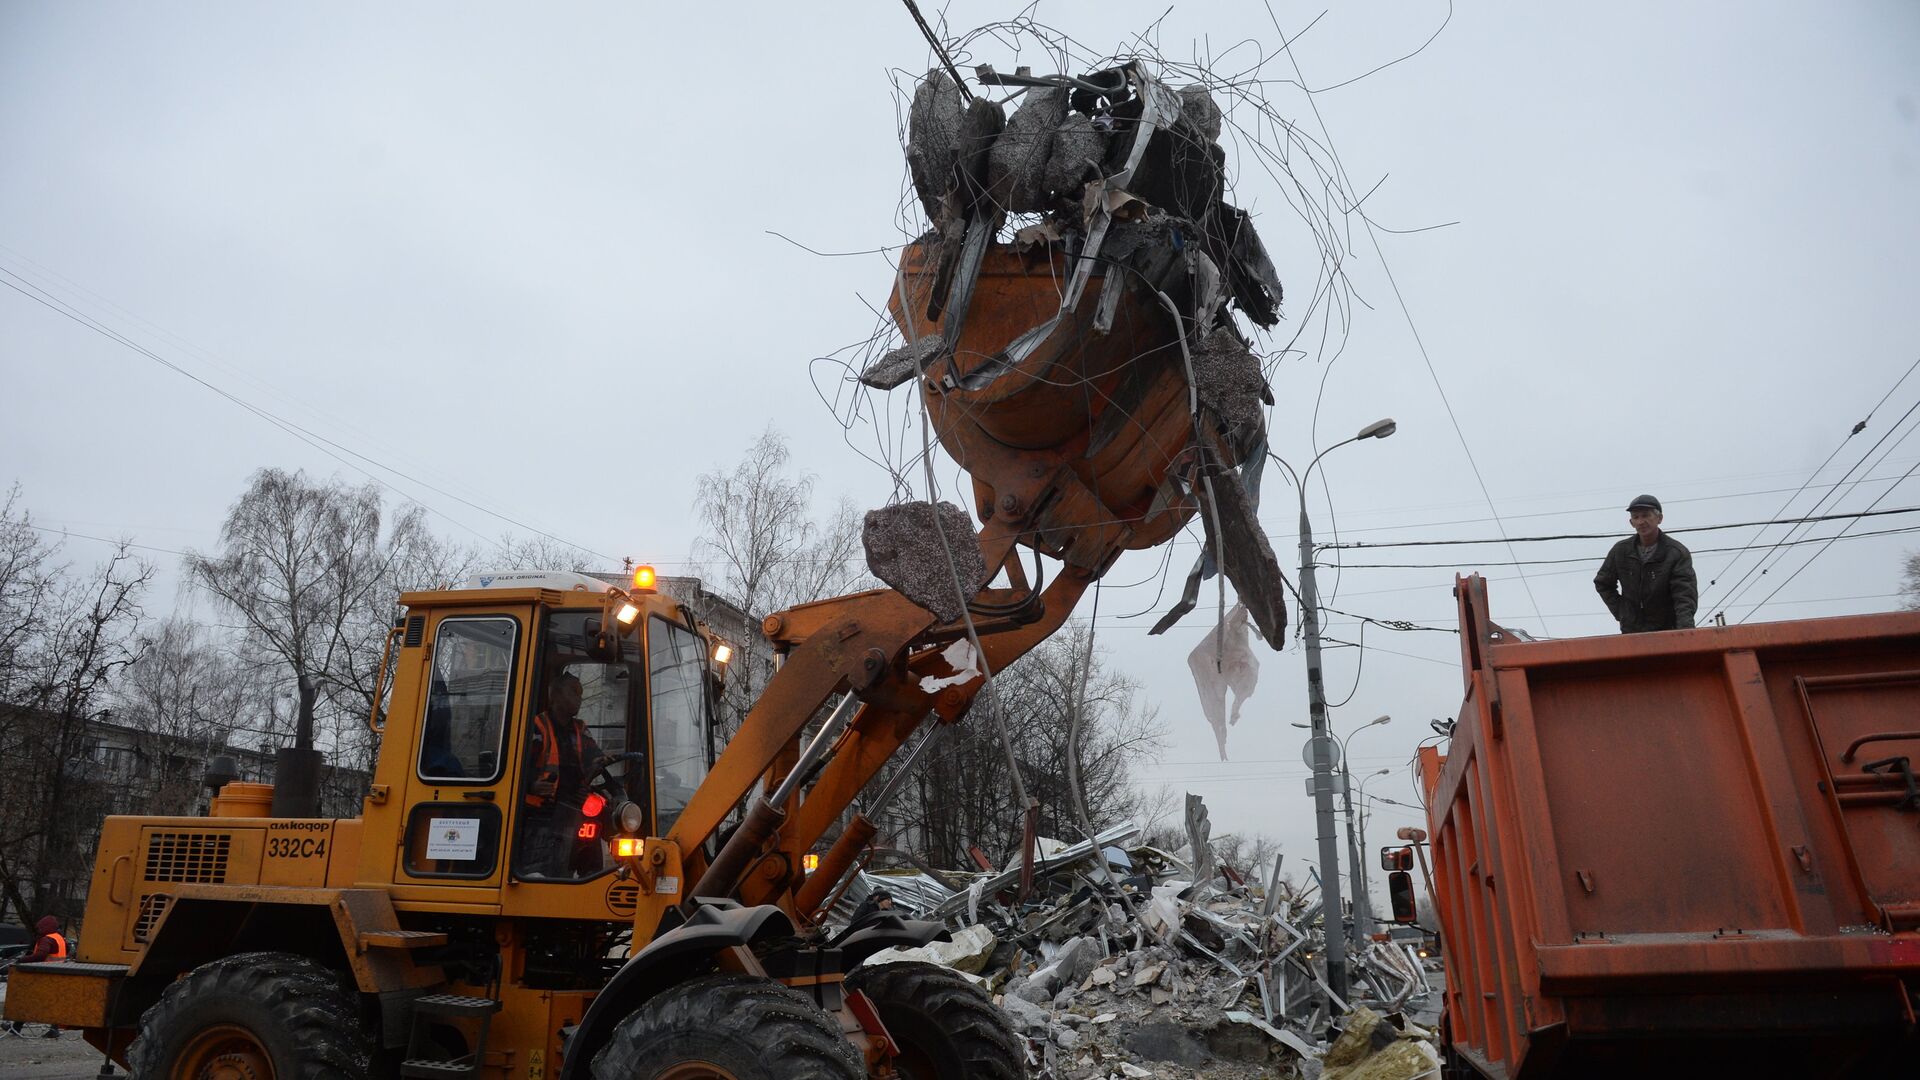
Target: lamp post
{"x":1360,"y":882}
{"x":1356,"y":881}
{"x":1366,"y":881}
{"x":1321,"y":743}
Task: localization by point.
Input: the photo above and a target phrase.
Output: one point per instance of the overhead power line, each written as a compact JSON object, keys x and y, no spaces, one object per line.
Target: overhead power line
{"x":1616,"y":535}
{"x":304,"y":434}
{"x":1589,"y":559}
{"x":1761,"y":565}
{"x":1841,"y":535}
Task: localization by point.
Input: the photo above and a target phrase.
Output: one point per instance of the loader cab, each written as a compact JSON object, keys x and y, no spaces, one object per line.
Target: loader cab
{"x":556,"y":712}
{"x":619,"y":733}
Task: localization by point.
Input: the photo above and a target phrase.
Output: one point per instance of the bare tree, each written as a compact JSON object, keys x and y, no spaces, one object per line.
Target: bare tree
{"x":81,"y":640}
{"x":1910,"y":582}
{"x":355,"y":686}
{"x":537,"y":553}
{"x":305,"y":565}
{"x":27,"y":579}
{"x":763,"y":550}
{"x":188,"y":697}
{"x":762,"y":546}
{"x":963,"y":797}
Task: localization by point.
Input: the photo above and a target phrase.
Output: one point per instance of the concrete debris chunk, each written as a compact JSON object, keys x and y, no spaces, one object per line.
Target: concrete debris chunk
{"x":1199,"y":110}
{"x":1228,"y":380}
{"x":896,"y":366}
{"x":1025,"y":1014}
{"x":980,"y":129}
{"x":905,"y":549}
{"x":1077,"y":151}
{"x":1017,"y":165}
{"x":933,"y":141}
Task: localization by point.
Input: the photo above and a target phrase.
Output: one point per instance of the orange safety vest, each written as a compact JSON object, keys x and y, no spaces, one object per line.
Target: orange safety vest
{"x":549,"y":761}
{"x":59,"y":946}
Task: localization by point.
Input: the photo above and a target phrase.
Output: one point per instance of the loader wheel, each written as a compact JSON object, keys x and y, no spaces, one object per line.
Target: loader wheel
{"x":946,"y":1027}
{"x":729,"y":1027}
{"x":253,"y":1016}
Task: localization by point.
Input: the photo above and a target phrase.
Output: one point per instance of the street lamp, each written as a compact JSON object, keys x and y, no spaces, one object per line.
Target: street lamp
{"x":1321,"y":743}
{"x":1365,"y":813}
{"x":1356,"y":881}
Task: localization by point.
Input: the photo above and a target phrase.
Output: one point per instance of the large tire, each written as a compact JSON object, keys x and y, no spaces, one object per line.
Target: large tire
{"x":947,"y":1028}
{"x":729,"y":1027}
{"x":254,"y":1016}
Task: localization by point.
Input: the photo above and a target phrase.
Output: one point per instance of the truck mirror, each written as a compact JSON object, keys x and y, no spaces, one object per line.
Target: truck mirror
{"x":1400,"y":892}
{"x":1392,"y":859}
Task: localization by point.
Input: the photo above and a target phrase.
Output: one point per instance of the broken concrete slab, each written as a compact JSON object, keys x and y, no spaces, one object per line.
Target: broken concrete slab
{"x":896,"y":366}
{"x":933,"y":140}
{"x":1251,"y":564}
{"x":1017,"y":165}
{"x":1025,"y":1014}
{"x":1078,"y":149}
{"x":1199,"y":110}
{"x":909,"y":550}
{"x":1228,"y":380}
{"x":980,"y":128}
{"x":1076,"y":959}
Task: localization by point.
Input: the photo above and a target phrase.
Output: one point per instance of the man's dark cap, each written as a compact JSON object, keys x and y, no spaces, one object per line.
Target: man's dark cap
{"x":878,"y":895}
{"x":1647,"y":501}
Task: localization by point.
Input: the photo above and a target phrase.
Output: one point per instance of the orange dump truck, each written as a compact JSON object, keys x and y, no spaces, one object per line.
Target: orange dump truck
{"x":1692,"y":853}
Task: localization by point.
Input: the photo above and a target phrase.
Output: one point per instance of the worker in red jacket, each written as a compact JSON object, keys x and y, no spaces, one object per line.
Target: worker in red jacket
{"x":50,"y":945}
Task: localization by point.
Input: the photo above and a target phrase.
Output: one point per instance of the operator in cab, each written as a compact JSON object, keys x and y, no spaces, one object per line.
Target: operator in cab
{"x":1647,"y":580}
{"x":561,"y":759}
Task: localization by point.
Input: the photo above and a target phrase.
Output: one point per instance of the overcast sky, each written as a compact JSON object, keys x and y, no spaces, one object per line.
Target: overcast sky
{"x":480,"y":244}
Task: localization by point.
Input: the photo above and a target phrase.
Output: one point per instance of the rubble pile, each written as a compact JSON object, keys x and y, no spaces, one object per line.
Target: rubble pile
{"x":1121,"y":964}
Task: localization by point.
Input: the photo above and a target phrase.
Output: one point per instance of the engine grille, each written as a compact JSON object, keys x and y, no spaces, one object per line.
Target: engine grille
{"x":152,"y":906}
{"x":195,"y":857}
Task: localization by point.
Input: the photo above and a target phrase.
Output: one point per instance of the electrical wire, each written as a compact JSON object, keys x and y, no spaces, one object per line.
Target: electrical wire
{"x":304,"y":434}
{"x":1615,"y":535}
{"x":1842,"y":534}
{"x":1737,"y":589}
{"x":1856,"y":429}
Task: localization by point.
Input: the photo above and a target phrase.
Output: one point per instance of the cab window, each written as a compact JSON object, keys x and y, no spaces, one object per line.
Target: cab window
{"x":577,"y":768}
{"x":676,"y":676}
{"x":467,"y":699}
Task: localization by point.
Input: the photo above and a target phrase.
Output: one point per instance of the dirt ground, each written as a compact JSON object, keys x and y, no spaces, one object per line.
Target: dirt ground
{"x":34,"y":1058}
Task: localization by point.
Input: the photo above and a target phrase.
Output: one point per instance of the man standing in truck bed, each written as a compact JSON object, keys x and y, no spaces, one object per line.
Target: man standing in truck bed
{"x":1647,"y":579}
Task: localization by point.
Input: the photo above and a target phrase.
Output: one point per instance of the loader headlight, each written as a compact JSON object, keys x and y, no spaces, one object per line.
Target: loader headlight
{"x":631,"y":818}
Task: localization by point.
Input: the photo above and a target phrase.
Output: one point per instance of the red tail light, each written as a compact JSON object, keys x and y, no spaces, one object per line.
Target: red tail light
{"x":592,"y":807}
